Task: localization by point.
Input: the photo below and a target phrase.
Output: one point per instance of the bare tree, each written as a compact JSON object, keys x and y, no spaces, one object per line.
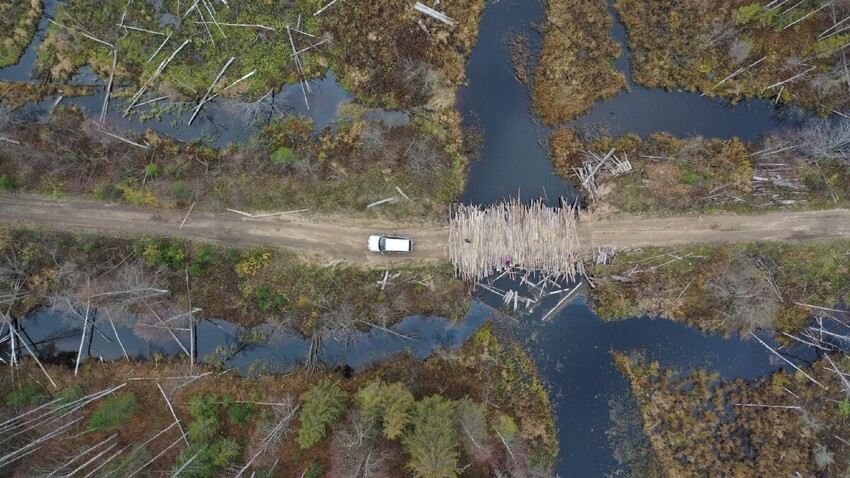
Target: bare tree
{"x":355,"y":449}
{"x":271,"y":433}
{"x":821,"y":139}
{"x":746,"y":293}
{"x":423,"y":158}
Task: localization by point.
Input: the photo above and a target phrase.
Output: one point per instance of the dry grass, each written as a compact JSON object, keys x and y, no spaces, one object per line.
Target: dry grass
{"x":19,"y":20}
{"x":694,"y":44}
{"x":696,"y":428}
{"x":686,"y":175}
{"x":576,"y":63}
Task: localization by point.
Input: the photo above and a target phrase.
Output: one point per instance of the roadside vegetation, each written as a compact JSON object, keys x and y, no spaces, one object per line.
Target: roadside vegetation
{"x":790,"y":52}
{"x":287,"y":165}
{"x":801,"y":168}
{"x":145,"y":280}
{"x":701,"y":425}
{"x":576,"y":66}
{"x":477,"y":411}
{"x":728,"y":289}
{"x":19,"y":20}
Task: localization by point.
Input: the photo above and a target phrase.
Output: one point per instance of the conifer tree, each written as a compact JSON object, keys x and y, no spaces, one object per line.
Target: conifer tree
{"x":433,"y":444}
{"x":324,"y":404}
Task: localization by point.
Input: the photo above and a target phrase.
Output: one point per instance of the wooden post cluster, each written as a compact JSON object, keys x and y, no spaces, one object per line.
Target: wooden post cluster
{"x":534,"y":237}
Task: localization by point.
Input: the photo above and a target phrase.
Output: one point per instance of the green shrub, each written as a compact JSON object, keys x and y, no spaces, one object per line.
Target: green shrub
{"x":114,"y":412}
{"x":844,"y":408}
{"x":283,"y":157}
{"x":182,"y":192}
{"x":29,"y":394}
{"x":266,"y":300}
{"x":8,"y":183}
{"x":203,"y":430}
{"x":71,"y":393}
{"x":164,"y":253}
{"x":203,"y":405}
{"x":240,"y":413}
{"x":315,"y":470}
{"x":505,"y":427}
{"x":152,"y":170}
{"x":324,"y":404}
{"x":690,"y":178}
{"x":204,"y":258}
{"x":433,"y":442}
{"x":391,"y":404}
{"x":748,"y":13}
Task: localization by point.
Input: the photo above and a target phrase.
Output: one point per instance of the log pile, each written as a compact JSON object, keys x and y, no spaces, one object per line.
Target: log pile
{"x":509,"y":235}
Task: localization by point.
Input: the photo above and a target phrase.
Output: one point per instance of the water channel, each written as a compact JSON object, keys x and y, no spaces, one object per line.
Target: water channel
{"x":572,"y":350}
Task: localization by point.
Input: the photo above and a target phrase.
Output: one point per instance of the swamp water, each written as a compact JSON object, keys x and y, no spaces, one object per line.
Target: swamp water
{"x":572,"y":350}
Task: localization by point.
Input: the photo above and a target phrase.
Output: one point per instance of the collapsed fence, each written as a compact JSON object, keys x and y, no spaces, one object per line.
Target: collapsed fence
{"x":510,"y":234}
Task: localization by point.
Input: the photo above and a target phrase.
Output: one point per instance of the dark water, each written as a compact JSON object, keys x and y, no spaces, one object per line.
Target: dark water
{"x":514,"y":157}
{"x":573,"y":349}
{"x":221,"y":341}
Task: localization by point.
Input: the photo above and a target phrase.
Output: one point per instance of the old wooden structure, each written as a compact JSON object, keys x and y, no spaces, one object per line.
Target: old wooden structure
{"x":530,"y":237}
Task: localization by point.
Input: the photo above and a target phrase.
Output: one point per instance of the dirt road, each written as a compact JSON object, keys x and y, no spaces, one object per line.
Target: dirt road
{"x":318,"y":241}
{"x":341,"y":238}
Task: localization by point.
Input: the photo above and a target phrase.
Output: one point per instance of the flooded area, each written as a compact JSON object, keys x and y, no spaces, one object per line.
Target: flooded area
{"x":223,"y":343}
{"x":514,"y":159}
{"x":573,"y":349}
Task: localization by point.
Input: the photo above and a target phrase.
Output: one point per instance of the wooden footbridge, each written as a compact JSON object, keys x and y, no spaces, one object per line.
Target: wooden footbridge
{"x":514,"y":236}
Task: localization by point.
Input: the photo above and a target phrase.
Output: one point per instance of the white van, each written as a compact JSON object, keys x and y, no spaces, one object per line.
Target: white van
{"x":390,"y":244}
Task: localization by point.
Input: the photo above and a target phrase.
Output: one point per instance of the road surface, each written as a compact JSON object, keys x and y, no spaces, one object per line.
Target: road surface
{"x":342,"y":238}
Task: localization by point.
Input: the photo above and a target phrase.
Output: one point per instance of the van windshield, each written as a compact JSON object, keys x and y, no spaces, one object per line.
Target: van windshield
{"x":382,"y":243}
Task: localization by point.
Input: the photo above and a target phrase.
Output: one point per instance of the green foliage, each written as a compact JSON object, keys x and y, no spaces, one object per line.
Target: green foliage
{"x":203,"y":259}
{"x":207,"y":459}
{"x":8,"y":183}
{"x":203,"y":405}
{"x":505,"y":427}
{"x":29,"y":394}
{"x":240,"y":413}
{"x":266,"y":300}
{"x":181,"y":191}
{"x":214,"y":452}
{"x":152,"y":170}
{"x":164,"y":253}
{"x":223,"y":452}
{"x":433,"y":443}
{"x":690,"y":178}
{"x":203,"y":430}
{"x":283,"y":157}
{"x":749,"y":13}
{"x":844,"y":408}
{"x":114,"y":412}
{"x":391,"y":404}
{"x":70,"y":393}
{"x":324,"y":404}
